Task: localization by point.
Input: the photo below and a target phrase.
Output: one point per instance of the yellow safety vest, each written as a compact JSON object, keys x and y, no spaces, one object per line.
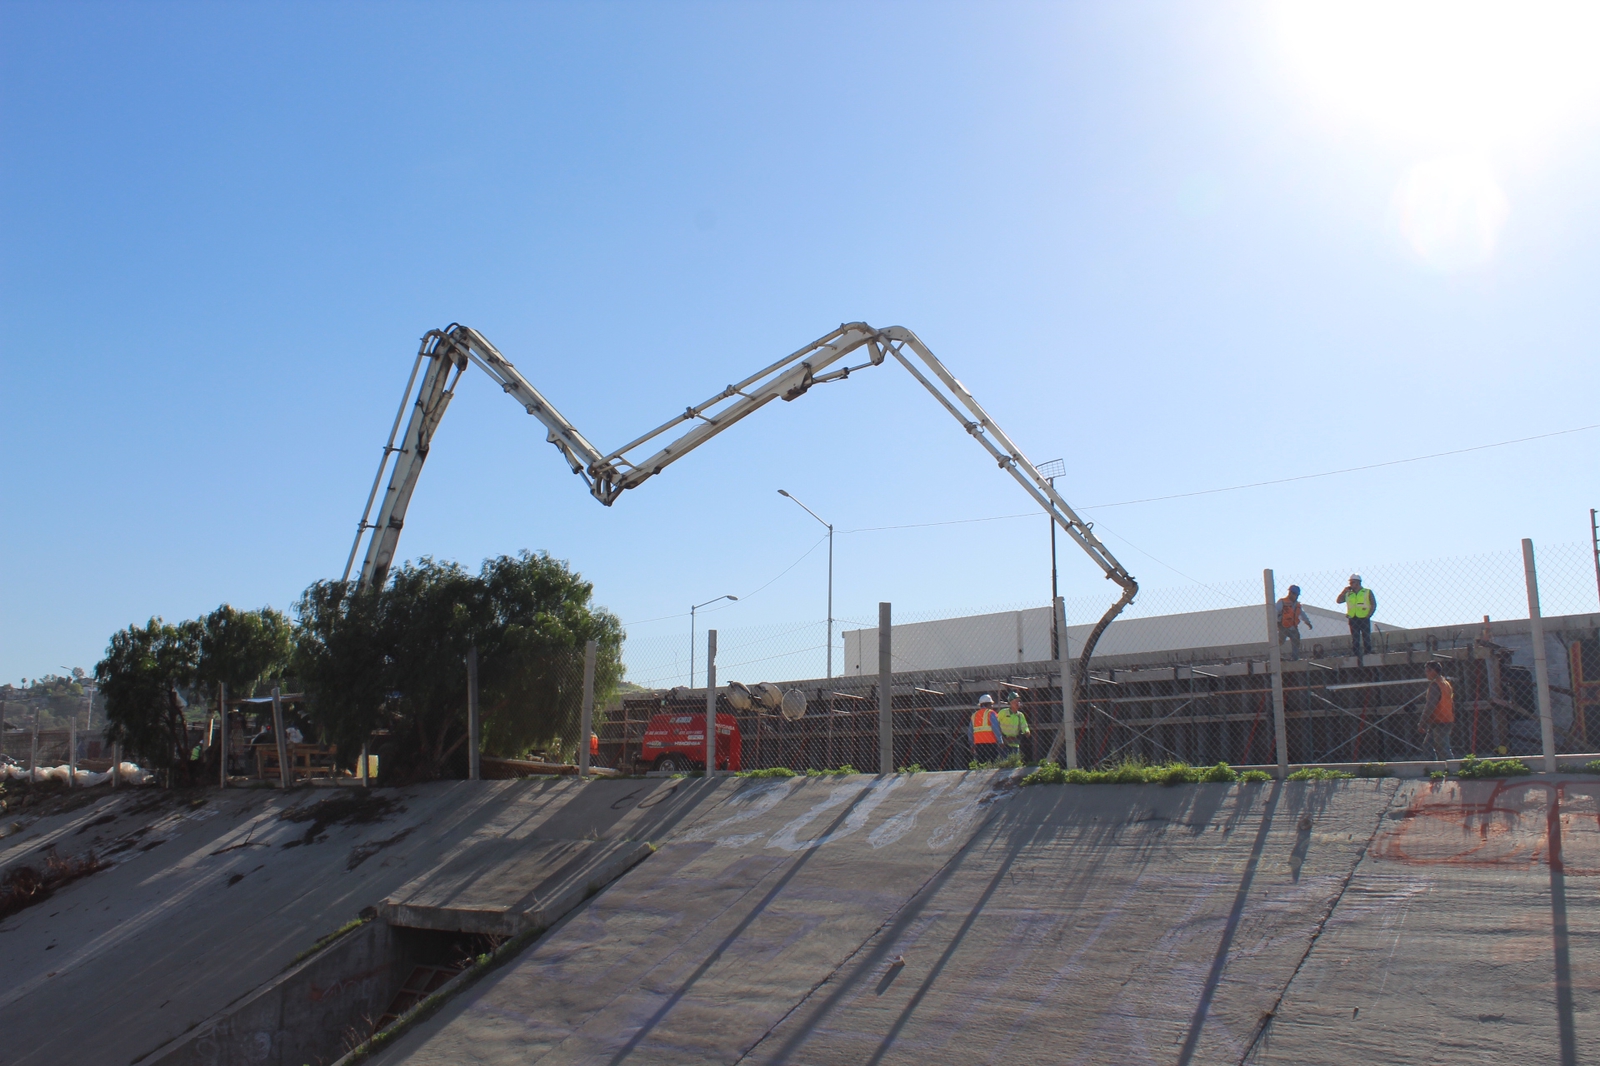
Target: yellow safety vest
{"x":1012,"y":722}
{"x":1359,"y":603}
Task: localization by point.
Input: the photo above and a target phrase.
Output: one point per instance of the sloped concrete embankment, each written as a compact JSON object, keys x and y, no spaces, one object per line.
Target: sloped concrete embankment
{"x":1471,"y":933}
{"x":934,"y":918}
{"x":213,"y":895}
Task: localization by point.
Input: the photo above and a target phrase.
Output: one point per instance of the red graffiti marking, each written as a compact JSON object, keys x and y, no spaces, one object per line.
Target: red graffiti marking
{"x":1499,"y":823}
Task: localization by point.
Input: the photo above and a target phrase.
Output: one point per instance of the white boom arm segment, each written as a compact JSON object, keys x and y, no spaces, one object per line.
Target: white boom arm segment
{"x":607,"y":475}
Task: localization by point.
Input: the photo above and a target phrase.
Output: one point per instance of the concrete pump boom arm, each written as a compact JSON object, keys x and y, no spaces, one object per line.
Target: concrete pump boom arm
{"x":607,"y":475}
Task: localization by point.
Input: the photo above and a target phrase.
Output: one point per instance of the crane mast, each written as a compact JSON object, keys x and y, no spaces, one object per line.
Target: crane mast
{"x":444,"y":355}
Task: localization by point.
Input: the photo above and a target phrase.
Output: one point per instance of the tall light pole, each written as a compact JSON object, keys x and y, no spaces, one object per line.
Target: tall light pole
{"x":814,"y":514}
{"x":1052,"y":469}
{"x":692,"y":610}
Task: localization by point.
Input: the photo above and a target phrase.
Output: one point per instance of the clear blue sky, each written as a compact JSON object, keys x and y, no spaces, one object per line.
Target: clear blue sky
{"x":1181,"y":245}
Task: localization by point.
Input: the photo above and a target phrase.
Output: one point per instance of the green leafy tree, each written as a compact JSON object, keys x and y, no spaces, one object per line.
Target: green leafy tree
{"x":141,"y":678}
{"x":243,"y":649}
{"x":393,"y":658}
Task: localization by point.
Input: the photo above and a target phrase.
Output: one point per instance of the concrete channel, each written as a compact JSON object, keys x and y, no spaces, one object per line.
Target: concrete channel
{"x":916,"y":918}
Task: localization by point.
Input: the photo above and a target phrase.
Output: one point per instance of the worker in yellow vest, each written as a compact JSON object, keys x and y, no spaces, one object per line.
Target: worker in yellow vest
{"x":1359,"y":606}
{"x":1013,"y":725}
{"x":1290,"y":614}
{"x":1438,"y":715}
{"x":984,"y":731}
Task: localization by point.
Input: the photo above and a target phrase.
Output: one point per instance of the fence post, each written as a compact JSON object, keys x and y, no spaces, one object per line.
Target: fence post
{"x":885,"y":692}
{"x":72,"y":751}
{"x":222,"y":734}
{"x":474,"y":767}
{"x":285,"y":768}
{"x":586,"y":725}
{"x":33,"y":752}
{"x":1067,"y":739}
{"x":116,"y":763}
{"x":1541,"y":668}
{"x":711,"y":703}
{"x":1275,"y":664}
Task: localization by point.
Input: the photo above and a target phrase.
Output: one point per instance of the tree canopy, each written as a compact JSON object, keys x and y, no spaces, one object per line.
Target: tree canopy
{"x":393,"y":658}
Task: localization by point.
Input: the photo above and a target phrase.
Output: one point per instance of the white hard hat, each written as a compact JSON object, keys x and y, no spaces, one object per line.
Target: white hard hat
{"x":1355,"y":577}
{"x":985,"y":698}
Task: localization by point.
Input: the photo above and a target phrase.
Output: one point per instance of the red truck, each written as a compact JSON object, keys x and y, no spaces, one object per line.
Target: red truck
{"x":677,"y":742}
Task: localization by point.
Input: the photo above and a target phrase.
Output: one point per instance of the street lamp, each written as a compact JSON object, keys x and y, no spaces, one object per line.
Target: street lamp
{"x":1050,"y":470}
{"x":814,"y":514}
{"x":692,"y":610}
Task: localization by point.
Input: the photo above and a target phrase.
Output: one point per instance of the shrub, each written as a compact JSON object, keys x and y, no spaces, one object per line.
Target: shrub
{"x":1592,"y":766}
{"x":1319,"y":773}
{"x":1173,"y":773}
{"x":1255,"y":776}
{"x":914,"y":768}
{"x":1437,"y":775}
{"x":1472,"y":766}
{"x":1219,"y":773}
{"x":771,"y":771}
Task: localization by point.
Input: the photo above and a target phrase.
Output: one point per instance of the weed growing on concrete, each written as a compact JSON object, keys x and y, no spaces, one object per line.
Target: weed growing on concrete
{"x":916,"y":768}
{"x":23,"y":886}
{"x":1373,"y":769}
{"x":1133,"y":772}
{"x":1319,"y":773}
{"x":771,"y":771}
{"x":840,"y":772}
{"x":348,"y":927}
{"x":1592,"y":766}
{"x":1437,"y":775}
{"x":1255,"y":777}
{"x":1472,"y":766}
{"x":1010,"y":762}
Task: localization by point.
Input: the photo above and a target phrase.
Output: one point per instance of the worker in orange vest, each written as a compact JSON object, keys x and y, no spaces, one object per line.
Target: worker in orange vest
{"x":1438,"y":715}
{"x":1290,"y":614}
{"x":984,"y":731}
{"x":594,"y":747}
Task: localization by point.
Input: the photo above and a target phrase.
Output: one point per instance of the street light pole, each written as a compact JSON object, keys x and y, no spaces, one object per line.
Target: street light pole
{"x":692,"y":610}
{"x":814,"y":514}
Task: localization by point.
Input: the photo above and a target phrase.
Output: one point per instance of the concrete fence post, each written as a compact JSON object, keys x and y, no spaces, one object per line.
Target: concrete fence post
{"x":1541,"y":667}
{"x":33,"y":750}
{"x":116,"y":763}
{"x":1280,"y":729}
{"x":285,"y":765}
{"x":586,"y":722}
{"x":711,"y":703}
{"x":72,"y":751}
{"x":885,"y":691}
{"x":474,"y":766}
{"x":1067,"y":740}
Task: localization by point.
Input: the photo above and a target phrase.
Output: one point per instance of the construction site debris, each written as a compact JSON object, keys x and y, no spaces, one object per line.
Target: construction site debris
{"x":23,"y":886}
{"x":354,"y":807}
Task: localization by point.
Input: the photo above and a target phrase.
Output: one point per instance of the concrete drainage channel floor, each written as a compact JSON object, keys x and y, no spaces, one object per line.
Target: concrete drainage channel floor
{"x":921,"y":918}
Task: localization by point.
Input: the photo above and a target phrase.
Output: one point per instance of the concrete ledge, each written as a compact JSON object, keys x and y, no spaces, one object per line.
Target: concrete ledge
{"x":505,"y":887}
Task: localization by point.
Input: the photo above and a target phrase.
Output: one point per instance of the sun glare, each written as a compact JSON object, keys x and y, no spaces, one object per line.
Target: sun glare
{"x":1452,"y":75}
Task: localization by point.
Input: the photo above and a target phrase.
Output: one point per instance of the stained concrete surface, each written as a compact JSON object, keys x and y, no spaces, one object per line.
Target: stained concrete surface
{"x":214,"y":894}
{"x":1471,"y":933}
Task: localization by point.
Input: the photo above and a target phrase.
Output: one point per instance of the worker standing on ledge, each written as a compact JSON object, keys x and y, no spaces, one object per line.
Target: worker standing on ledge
{"x":1438,"y":715}
{"x":1013,"y":725}
{"x":1290,"y":615}
{"x":984,"y":731}
{"x":1359,"y":606}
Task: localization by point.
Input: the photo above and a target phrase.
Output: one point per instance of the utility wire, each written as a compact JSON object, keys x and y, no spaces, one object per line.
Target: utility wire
{"x":1236,"y":488}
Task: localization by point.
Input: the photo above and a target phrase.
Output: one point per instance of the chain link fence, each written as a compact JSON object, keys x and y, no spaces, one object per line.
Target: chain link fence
{"x":1185,"y":674}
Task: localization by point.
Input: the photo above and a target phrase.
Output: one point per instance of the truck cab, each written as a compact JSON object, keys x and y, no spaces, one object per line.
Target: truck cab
{"x":676,"y":743}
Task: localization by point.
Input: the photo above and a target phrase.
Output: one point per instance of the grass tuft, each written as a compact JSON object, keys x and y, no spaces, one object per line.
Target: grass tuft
{"x":1319,"y":773}
{"x":1472,"y":766}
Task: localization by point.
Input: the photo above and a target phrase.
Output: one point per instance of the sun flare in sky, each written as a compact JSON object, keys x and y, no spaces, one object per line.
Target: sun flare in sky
{"x":1462,"y":85}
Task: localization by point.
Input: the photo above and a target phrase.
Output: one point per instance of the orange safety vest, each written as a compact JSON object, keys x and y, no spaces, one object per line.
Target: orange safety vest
{"x":1445,"y":712}
{"x":1290,"y":618}
{"x":982,"y":726}
{"x":594,"y":744}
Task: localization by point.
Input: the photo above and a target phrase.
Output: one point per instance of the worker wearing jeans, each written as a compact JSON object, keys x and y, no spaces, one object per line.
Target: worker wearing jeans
{"x":1013,"y":725}
{"x":1438,"y":715}
{"x":1359,"y":605}
{"x":984,"y":731}
{"x":1290,"y":614}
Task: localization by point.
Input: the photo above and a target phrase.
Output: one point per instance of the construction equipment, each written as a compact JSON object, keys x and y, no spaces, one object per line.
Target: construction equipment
{"x":608,"y":474}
